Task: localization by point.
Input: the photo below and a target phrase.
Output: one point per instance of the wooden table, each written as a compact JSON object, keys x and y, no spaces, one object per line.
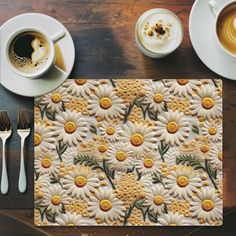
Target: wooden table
{"x":103,"y":32}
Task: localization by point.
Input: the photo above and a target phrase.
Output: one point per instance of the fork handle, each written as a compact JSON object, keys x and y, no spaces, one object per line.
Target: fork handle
{"x":22,"y":184}
{"x":4,"y":179}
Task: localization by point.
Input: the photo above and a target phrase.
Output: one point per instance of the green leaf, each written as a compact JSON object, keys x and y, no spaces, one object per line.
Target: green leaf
{"x":153,"y":218}
{"x":93,"y":129}
{"x":51,"y":217}
{"x":165,"y":107}
{"x":195,"y":129}
{"x":87,"y":160}
{"x":61,"y":148}
{"x":163,"y":149}
{"x":50,"y":116}
{"x":157,"y":179}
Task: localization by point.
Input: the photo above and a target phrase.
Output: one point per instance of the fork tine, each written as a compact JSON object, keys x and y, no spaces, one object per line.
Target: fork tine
{"x":5,"y":123}
{"x":23,"y":119}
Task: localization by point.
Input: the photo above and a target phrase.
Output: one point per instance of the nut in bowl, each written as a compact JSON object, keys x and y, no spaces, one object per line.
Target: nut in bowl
{"x":158,"y":32}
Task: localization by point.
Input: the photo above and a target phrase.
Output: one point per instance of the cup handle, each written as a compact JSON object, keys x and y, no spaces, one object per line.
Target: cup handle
{"x":214,"y":7}
{"x":58,"y":36}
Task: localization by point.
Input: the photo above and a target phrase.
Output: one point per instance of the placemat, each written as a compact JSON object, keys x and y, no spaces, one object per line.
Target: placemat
{"x":129,"y":152}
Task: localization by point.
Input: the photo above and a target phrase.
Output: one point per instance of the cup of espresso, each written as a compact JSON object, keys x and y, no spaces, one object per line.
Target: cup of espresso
{"x":225,"y":26}
{"x":158,"y":32}
{"x":30,"y":52}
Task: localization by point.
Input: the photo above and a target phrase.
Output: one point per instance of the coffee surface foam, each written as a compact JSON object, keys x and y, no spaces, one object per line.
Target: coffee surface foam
{"x":160,"y":32}
{"x":226,"y":28}
{"x":38,"y":56}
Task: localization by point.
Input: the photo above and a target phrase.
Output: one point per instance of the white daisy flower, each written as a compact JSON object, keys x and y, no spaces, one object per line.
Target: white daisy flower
{"x":171,"y":155}
{"x":46,"y":163}
{"x":139,"y":137}
{"x":183,"y":182}
{"x":212,"y":130}
{"x":105,"y":103}
{"x":68,"y":219}
{"x":55,"y":198}
{"x":207,"y":205}
{"x":110,"y":131}
{"x":182,"y":87}
{"x":80,"y":87}
{"x":43,"y":138}
{"x":55,"y":100}
{"x":68,"y":156}
{"x":173,"y":127}
{"x":147,"y":181}
{"x":149,"y":163}
{"x":119,"y":156}
{"x":207,"y":103}
{"x":216,"y":156}
{"x":105,"y":206}
{"x":157,"y":199}
{"x":173,"y":219}
{"x":81,"y":182}
{"x":156,"y":95}
{"x":70,"y":127}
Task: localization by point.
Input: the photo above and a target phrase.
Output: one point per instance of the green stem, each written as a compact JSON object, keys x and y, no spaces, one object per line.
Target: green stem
{"x":108,"y":177}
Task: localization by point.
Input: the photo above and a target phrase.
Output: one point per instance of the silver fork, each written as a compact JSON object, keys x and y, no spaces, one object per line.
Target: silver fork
{"x":5,"y":132}
{"x":23,"y":130}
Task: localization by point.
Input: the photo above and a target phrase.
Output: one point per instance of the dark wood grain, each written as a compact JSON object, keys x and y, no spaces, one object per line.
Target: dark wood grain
{"x":11,"y":103}
{"x":103,"y":32}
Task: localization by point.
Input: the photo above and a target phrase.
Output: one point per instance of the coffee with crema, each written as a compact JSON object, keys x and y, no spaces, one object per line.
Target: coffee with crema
{"x":29,"y":52}
{"x":226,"y":28}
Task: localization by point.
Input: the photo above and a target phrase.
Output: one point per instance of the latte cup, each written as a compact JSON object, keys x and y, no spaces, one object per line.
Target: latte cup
{"x":217,"y":9}
{"x":158,"y":32}
{"x":50,"y":60}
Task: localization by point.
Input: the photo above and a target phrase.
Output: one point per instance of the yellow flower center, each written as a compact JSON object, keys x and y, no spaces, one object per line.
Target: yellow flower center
{"x":220,"y":156}
{"x":207,"y":205}
{"x":105,"y":103}
{"x":105,"y":205}
{"x":207,"y":103}
{"x":56,"y":200}
{"x":69,"y":225}
{"x":70,"y":127}
{"x":39,"y":195}
{"x":37,"y":139}
{"x":121,"y":156}
{"x":182,"y":81}
{"x":172,"y":224}
{"x":158,"y":98}
{"x":80,"y":81}
{"x":102,"y":148}
{"x":148,"y":163}
{"x":137,"y":139}
{"x":172,"y":127}
{"x":46,"y":163}
{"x":110,"y":130}
{"x":80,"y":181}
{"x":212,"y":130}
{"x":182,"y":181}
{"x":204,"y":148}
{"x":158,"y":200}
{"x":56,"y":98}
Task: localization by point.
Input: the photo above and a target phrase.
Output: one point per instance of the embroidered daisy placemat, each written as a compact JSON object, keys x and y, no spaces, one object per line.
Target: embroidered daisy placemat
{"x":129,"y":152}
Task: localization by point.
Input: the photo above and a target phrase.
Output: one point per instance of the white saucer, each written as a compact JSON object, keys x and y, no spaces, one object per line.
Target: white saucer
{"x":201,"y":29}
{"x":51,"y":80}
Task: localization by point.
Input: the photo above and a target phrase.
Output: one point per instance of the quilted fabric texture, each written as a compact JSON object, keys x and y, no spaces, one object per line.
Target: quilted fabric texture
{"x":129,"y":152}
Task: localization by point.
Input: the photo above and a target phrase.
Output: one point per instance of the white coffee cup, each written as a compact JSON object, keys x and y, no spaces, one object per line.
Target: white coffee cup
{"x":51,"y":40}
{"x":217,"y":8}
{"x":139,"y":27}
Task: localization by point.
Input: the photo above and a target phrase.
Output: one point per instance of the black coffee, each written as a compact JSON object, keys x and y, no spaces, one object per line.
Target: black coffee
{"x":22,"y":46}
{"x":29,"y":52}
